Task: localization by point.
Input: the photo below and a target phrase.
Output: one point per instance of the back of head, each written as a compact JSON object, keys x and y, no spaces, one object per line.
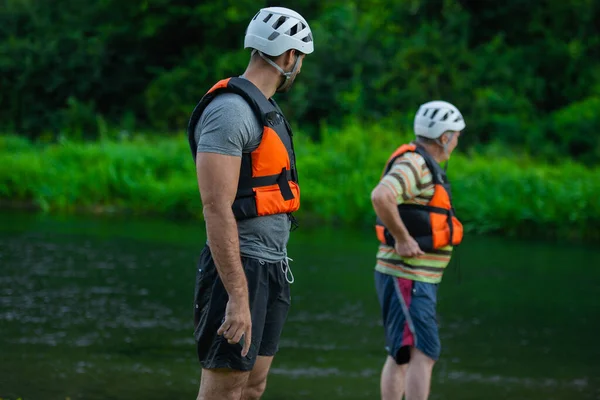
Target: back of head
{"x":436,"y":117}
{"x":275,"y":30}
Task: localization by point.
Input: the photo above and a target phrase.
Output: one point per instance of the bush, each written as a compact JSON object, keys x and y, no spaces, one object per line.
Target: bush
{"x":155,"y":175}
{"x":575,"y":130}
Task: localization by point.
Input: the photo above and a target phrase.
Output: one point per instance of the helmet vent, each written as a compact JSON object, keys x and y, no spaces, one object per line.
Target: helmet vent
{"x":308,"y":38}
{"x":448,"y":114}
{"x":294,"y":29}
{"x":279,"y":21}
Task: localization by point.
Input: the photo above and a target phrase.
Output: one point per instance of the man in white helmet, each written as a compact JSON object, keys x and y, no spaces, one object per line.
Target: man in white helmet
{"x":246,"y":169}
{"x":417,"y":230}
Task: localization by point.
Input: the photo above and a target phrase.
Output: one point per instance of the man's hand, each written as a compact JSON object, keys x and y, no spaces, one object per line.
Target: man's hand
{"x":408,"y":247}
{"x":237,"y":323}
{"x":386,"y":208}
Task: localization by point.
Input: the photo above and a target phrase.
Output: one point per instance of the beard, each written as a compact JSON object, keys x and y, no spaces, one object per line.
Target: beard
{"x":287,"y":85}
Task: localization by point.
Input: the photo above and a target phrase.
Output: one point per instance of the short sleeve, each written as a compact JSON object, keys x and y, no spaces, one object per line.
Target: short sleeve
{"x":405,"y":178}
{"x":228,"y":126}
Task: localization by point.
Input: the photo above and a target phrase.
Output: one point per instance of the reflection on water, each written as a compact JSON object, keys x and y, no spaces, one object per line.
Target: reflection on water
{"x":97,"y":309}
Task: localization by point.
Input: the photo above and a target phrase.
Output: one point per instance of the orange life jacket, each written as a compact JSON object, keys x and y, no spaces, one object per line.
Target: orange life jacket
{"x":268,"y":182}
{"x":434,"y":225}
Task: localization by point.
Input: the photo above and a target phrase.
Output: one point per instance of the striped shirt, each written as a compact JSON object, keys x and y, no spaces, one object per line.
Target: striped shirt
{"x":411,"y":182}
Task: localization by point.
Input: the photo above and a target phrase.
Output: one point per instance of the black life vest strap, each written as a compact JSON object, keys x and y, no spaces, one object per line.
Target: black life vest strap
{"x":439,"y":177}
{"x":246,"y":184}
{"x":436,"y":210}
{"x":451,"y":225}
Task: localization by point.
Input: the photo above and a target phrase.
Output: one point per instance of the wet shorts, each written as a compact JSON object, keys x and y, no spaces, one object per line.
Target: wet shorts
{"x":409,"y":316}
{"x":269,"y":295}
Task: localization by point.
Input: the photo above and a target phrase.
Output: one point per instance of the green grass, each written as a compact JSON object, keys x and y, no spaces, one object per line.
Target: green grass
{"x":494,"y":193}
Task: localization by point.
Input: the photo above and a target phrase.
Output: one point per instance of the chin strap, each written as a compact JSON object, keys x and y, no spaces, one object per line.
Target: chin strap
{"x":287,"y":75}
{"x":445,"y":146}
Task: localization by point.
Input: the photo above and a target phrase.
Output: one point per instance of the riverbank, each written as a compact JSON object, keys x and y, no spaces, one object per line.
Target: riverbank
{"x":154,"y":175}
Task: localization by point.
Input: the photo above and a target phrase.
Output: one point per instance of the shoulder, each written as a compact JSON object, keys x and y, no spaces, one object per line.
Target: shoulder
{"x":229,"y":104}
{"x":412,"y":169}
{"x":229,"y":126}
{"x":412,"y":160}
{"x":230,"y":112}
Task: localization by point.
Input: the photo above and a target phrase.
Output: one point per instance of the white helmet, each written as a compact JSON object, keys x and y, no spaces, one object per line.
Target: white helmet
{"x":436,"y":117}
{"x":275,"y":30}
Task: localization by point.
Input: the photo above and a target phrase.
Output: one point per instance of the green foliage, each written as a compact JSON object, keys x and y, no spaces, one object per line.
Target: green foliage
{"x":142,"y":175}
{"x":575,"y":129}
{"x":525,"y":77}
{"x":155,"y":175}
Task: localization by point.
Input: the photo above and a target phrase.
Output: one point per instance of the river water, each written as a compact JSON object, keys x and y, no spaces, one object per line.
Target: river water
{"x":102,"y":309}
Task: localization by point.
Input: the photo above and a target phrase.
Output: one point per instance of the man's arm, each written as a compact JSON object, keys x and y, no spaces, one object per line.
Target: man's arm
{"x":386,"y":196}
{"x":218,"y":180}
{"x":386,"y":208}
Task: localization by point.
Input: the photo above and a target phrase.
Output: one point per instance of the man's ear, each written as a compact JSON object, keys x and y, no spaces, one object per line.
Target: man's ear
{"x":444,"y":138}
{"x":291,"y":57}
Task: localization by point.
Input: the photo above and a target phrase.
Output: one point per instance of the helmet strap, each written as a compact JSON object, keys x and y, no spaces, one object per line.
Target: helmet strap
{"x":286,"y":75}
{"x":445,"y":146}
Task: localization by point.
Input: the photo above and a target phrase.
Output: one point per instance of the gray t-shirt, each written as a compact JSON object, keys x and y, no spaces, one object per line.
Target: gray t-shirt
{"x":229,"y":126}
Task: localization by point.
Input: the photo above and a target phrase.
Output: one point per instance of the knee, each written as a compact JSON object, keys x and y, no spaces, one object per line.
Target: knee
{"x":255,"y":389}
{"x":418,"y":357}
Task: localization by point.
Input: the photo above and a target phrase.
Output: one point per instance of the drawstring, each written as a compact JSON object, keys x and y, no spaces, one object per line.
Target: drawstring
{"x":287,"y":271}
{"x":285,"y":268}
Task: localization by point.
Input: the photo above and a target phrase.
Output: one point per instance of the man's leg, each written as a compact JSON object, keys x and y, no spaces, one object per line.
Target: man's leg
{"x":418,"y":375}
{"x":392,"y":380}
{"x":427,"y":347}
{"x":279,"y":300}
{"x":257,"y":382}
{"x":394,"y":297}
{"x":222,"y":384}
{"x":224,"y":370}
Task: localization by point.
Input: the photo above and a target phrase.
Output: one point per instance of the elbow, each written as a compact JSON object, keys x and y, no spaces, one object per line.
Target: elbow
{"x":382,"y":198}
{"x":377,"y":197}
{"x":217,"y":209}
{"x":374,"y":197}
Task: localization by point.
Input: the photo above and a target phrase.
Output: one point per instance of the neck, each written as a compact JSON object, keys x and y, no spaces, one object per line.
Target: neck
{"x":435,"y":151}
{"x":264,"y":77}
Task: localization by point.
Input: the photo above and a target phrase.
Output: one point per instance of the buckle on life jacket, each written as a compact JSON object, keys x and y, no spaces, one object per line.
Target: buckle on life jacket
{"x":293,"y":222}
{"x":284,"y":185}
{"x":274,"y":118}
